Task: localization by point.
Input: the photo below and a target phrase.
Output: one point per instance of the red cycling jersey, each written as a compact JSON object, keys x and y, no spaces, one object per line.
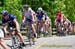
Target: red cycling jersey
{"x":59,"y":16}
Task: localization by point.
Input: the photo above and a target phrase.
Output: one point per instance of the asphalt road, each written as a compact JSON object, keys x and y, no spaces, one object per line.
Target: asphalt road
{"x":54,"y":42}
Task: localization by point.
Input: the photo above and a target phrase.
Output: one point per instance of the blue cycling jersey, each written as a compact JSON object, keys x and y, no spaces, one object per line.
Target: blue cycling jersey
{"x":9,"y":21}
{"x":40,"y":15}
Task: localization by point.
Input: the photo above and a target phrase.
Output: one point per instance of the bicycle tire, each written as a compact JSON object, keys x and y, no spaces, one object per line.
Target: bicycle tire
{"x":31,"y":39}
{"x":15,"y":42}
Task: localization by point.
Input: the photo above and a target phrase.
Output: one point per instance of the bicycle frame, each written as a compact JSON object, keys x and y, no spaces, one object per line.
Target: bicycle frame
{"x":15,"y":41}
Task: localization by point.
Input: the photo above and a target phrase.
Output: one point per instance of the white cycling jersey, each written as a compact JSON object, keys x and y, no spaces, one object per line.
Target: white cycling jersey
{"x":1,"y":33}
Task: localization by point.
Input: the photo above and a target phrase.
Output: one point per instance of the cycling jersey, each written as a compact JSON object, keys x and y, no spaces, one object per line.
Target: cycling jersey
{"x":40,"y":15}
{"x":9,"y":21}
{"x":59,"y":17}
{"x":1,"y":33}
{"x":28,"y":15}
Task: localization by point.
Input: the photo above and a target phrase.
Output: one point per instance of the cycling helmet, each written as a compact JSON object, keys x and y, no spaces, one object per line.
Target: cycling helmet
{"x":4,"y":12}
{"x":40,"y":9}
{"x":26,"y":6}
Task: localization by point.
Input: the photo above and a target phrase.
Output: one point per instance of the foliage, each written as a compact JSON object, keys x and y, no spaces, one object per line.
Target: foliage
{"x":50,"y":6}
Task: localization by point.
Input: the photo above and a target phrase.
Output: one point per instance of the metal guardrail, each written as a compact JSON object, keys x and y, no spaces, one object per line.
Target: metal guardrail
{"x":54,"y":31}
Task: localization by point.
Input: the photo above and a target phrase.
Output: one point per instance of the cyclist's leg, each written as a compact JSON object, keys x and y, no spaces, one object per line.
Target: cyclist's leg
{"x":38,"y":28}
{"x":35,"y":25}
{"x":43,"y":26}
{"x":66,"y":26}
{"x":47,"y":26}
{"x":34,"y":30}
{"x":20,"y":37}
{"x":58,"y":27}
{"x":30,"y":32}
{"x":3,"y":44}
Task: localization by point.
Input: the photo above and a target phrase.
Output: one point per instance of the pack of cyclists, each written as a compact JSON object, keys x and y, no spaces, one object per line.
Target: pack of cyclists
{"x":34,"y":21}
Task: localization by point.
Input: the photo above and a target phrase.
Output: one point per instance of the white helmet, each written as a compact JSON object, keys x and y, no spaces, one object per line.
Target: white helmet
{"x":40,"y":9}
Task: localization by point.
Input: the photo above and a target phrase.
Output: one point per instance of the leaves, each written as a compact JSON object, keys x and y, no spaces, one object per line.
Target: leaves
{"x":50,"y":6}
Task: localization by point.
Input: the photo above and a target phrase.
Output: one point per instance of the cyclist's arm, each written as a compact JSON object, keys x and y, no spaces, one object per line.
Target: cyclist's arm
{"x":33,"y":16}
{"x":17,"y":25}
{"x":62,"y":17}
{"x":68,"y":20}
{"x":35,"y":19}
{"x":44,"y":15}
{"x":49,"y":20}
{"x":23,"y":18}
{"x":43,"y":18}
{"x":5,"y":28}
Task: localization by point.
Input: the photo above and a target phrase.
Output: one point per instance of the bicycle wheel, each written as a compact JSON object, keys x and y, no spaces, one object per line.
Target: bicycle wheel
{"x":15,"y":43}
{"x":30,"y":35}
{"x":39,"y":30}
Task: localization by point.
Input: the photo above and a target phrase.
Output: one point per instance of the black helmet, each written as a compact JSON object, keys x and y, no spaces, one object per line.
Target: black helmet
{"x":26,"y":6}
{"x":5,"y":12}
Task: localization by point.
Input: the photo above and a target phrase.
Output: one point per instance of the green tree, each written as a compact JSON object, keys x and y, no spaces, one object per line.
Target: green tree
{"x":50,"y":6}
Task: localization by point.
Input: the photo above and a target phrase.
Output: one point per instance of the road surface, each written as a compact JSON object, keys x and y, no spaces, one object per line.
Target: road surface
{"x":54,"y":42}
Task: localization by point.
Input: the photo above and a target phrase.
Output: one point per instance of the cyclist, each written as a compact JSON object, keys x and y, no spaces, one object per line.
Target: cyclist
{"x":72,"y":28}
{"x":48,"y":24}
{"x":67,"y":24}
{"x":41,"y":15}
{"x":59,"y":22}
{"x":11,"y":22}
{"x":2,"y":42}
{"x":29,"y":18}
